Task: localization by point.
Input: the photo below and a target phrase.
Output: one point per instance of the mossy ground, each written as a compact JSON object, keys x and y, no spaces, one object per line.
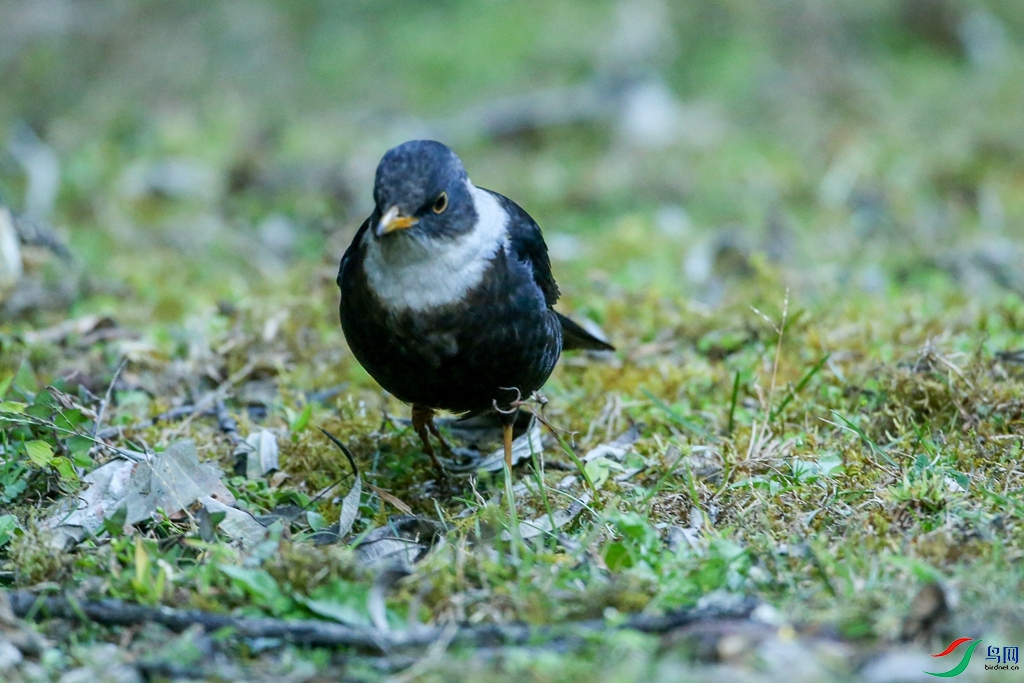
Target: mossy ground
{"x":811,"y":284}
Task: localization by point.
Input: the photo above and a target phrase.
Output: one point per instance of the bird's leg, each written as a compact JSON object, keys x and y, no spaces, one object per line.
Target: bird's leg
{"x":422,"y":420}
{"x":508,"y":420}
{"x":445,"y":446}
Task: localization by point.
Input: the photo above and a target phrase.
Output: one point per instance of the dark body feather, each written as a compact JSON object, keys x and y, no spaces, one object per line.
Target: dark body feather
{"x":527,"y":243}
{"x":466,"y":355}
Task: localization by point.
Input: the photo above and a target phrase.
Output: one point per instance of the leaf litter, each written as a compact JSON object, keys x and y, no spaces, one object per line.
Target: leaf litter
{"x":170,"y":480}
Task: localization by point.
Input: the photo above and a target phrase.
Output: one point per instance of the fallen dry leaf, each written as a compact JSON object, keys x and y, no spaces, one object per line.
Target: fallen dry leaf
{"x":239,"y":525}
{"x":172,"y":480}
{"x":387,"y":497}
{"x":261,"y":453}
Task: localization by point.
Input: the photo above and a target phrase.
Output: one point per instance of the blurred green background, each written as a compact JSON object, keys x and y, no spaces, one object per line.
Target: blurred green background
{"x":191,"y":152}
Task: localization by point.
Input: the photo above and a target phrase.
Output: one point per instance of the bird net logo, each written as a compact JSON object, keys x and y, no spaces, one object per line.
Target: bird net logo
{"x":996,"y":658}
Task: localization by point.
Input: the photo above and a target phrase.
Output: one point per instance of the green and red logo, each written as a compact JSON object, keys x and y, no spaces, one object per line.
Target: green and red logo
{"x":964,"y":661}
{"x":1005,"y":658}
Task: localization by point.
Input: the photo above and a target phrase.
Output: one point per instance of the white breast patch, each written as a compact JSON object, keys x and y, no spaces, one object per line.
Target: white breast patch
{"x":412,"y":273}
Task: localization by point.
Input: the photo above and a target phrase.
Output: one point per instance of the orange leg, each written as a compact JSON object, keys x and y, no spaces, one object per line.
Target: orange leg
{"x":422,"y":421}
{"x":506,"y":435}
{"x":508,"y":421}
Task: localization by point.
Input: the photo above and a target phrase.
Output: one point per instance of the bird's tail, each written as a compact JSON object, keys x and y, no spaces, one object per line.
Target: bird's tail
{"x":574,"y":337}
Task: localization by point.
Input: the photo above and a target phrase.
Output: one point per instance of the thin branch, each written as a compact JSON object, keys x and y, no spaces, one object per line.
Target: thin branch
{"x":171,"y":415}
{"x":106,"y":398}
{"x":209,"y":400}
{"x":227,"y":424}
{"x":23,"y":418}
{"x":328,"y":634}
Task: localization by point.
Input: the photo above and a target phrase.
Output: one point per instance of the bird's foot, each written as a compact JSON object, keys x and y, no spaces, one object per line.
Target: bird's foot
{"x":508,"y":416}
{"x":423,"y":424}
{"x":506,"y":437}
{"x":446,"y":448}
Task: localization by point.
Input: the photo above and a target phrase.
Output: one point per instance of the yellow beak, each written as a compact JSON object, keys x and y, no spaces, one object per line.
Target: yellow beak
{"x":392,"y":221}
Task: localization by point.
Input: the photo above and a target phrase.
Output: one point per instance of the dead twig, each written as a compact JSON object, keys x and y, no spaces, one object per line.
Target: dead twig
{"x":179,"y":413}
{"x":29,"y":605}
{"x":227,"y":424}
{"x":106,"y":398}
{"x":209,"y":400}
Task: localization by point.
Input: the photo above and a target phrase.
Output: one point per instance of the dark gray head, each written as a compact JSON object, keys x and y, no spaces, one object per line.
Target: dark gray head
{"x":422,"y":186}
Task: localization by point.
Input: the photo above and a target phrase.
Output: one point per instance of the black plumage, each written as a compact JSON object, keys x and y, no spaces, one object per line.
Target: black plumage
{"x":447,"y":292}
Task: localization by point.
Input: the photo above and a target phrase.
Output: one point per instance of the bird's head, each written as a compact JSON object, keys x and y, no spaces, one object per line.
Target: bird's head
{"x":422,"y":189}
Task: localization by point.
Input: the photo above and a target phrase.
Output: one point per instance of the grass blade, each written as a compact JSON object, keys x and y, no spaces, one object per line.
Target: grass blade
{"x":678,"y":419}
{"x":799,"y":387}
{"x":732,"y":403}
{"x":849,"y":426}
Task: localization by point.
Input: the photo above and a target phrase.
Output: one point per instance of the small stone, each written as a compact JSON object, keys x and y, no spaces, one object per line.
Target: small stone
{"x":10,"y":656}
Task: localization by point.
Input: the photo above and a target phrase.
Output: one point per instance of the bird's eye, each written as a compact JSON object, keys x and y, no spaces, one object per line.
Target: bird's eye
{"x":441,"y":203}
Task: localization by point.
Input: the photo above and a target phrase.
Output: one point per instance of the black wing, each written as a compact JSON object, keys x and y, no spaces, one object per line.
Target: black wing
{"x":527,"y":243}
{"x":350,"y":253}
{"x":574,"y":337}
